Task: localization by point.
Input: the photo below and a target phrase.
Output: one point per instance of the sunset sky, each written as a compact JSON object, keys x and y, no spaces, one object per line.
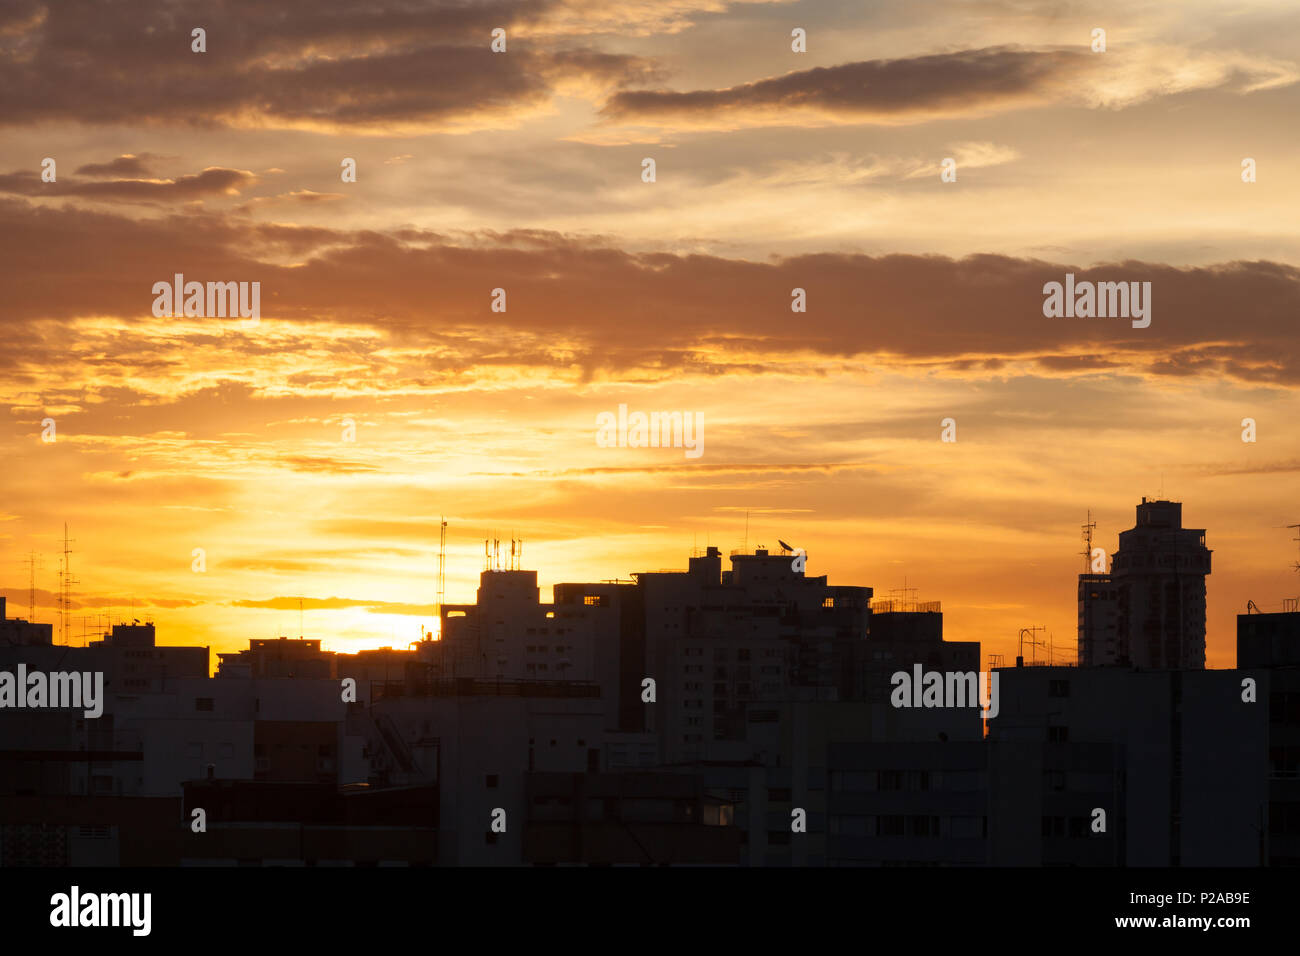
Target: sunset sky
{"x":522,"y":170}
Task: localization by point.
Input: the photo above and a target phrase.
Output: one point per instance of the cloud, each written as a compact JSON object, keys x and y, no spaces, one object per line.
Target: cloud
{"x":298,"y":197}
{"x":392,"y":66}
{"x":128,"y":164}
{"x":841,"y":168}
{"x":700,"y":468}
{"x":329,"y":466}
{"x":955,"y":85}
{"x":337,"y":603}
{"x":213,"y":181}
{"x":420,"y":302}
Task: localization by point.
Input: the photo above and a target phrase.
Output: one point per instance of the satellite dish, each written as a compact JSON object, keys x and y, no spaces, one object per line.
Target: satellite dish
{"x":784,"y":545}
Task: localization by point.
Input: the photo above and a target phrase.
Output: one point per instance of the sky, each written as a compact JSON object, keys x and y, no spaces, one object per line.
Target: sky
{"x":214,"y":472}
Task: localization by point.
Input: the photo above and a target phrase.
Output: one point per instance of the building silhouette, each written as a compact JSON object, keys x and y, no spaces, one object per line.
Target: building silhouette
{"x":738,"y":717}
{"x":1149,"y":610}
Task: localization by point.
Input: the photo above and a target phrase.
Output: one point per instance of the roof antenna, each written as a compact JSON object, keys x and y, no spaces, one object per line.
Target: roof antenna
{"x":442,"y":569}
{"x":1088,"y":529}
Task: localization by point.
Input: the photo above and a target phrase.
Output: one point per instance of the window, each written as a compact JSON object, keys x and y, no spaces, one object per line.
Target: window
{"x":594,"y":600}
{"x":1058,"y":735}
{"x":1058,"y":688}
{"x":491,"y":780}
{"x":890,"y":825}
{"x":850,"y":826}
{"x":203,"y":703}
{"x":924,"y":826}
{"x":828,"y":602}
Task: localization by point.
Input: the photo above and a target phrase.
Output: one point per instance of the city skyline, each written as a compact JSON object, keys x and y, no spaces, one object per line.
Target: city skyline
{"x":920,"y":176}
{"x":502,"y":555}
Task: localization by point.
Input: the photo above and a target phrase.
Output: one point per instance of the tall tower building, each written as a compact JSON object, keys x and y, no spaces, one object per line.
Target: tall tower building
{"x":1149,"y":611}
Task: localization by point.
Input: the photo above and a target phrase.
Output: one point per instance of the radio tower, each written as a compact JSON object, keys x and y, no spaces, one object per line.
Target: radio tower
{"x":33,"y":563}
{"x":66,"y":581}
{"x":1087,"y":543}
{"x":442,"y":570}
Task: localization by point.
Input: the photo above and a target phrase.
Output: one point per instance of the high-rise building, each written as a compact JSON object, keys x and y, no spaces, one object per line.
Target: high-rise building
{"x":1149,"y":611}
{"x":1099,"y":637}
{"x":1268,"y":650}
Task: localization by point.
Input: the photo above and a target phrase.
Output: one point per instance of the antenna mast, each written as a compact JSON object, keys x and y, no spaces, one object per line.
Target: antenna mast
{"x":1033,"y":642}
{"x":442,"y":569}
{"x":1087,"y":542}
{"x":33,"y":563}
{"x":66,"y":580}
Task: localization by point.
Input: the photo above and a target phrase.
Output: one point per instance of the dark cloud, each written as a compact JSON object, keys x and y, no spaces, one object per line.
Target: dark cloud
{"x":213,"y":181}
{"x":297,"y":63}
{"x":587,"y":305}
{"x":128,"y":165}
{"x":968,"y":81}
